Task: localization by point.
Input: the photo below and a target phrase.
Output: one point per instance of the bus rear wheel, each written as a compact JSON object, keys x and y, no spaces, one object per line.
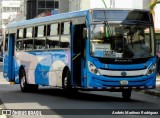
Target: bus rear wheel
{"x":126,"y":94}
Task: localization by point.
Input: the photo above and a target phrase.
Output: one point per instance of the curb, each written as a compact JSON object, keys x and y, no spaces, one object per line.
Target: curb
{"x":152,"y":92}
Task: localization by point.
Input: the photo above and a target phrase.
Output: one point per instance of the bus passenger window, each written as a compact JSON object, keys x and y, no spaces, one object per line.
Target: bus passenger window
{"x":65,"y":37}
{"x":28,"y":44}
{"x":29,"y":32}
{"x":20,"y":34}
{"x":53,"y":38}
{"x":19,"y":45}
{"x":54,"y":29}
{"x":39,"y":44}
{"x":66,"y":28}
{"x":41,"y":30}
{"x":53,"y":42}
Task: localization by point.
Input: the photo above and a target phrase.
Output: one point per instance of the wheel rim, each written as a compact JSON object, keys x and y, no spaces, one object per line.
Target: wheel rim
{"x":65,"y":82}
{"x":23,"y":82}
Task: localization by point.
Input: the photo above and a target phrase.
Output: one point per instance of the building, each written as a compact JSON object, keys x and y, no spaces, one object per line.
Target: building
{"x":75,"y":5}
{"x":33,"y":8}
{"x":8,"y":11}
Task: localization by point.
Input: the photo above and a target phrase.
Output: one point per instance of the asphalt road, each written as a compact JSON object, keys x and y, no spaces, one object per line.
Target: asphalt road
{"x":52,"y":99}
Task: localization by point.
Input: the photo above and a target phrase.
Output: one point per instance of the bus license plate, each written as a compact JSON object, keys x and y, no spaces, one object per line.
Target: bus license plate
{"x":124,"y":82}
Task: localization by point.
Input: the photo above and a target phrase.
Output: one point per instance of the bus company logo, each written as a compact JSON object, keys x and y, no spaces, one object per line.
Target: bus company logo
{"x":123,"y":73}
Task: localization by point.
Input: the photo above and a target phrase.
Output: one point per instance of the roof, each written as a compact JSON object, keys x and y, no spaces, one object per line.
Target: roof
{"x":57,"y":17}
{"x":48,"y":18}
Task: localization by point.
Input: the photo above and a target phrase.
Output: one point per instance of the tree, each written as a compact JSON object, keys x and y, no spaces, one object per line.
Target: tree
{"x":153,"y":4}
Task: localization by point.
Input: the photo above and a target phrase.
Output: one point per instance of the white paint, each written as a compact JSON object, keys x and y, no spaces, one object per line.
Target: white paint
{"x":118,"y":73}
{"x":30,"y":61}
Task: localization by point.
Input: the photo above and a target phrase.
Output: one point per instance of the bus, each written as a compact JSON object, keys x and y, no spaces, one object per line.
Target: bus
{"x":96,"y":49}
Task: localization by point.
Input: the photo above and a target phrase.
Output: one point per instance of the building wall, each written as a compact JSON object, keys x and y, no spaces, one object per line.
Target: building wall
{"x":31,"y":6}
{"x":8,"y":10}
{"x":63,"y":6}
{"x":88,"y":4}
{"x":85,"y":4}
{"x":36,"y":7}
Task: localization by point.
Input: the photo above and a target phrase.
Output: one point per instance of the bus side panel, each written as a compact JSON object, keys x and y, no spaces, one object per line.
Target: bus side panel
{"x":17,"y":68}
{"x":49,"y":70}
{"x":44,"y":67}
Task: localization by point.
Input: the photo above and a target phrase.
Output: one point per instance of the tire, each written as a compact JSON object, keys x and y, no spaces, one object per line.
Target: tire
{"x":23,"y":83}
{"x":126,"y":94}
{"x":66,"y":84}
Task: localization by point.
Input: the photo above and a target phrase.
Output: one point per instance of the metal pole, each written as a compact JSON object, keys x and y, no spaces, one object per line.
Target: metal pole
{"x":104,"y":3}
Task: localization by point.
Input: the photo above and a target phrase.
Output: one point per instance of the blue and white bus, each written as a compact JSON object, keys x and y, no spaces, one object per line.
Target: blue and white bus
{"x":96,"y":49}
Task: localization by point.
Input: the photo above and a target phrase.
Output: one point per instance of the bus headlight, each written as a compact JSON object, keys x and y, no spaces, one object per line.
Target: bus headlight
{"x":92,"y":68}
{"x":151,"y":70}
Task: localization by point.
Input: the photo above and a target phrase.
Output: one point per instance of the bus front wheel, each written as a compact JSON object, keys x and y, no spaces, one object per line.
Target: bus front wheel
{"x":25,"y":87}
{"x":66,"y":84}
{"x":126,"y":94}
{"x":23,"y":83}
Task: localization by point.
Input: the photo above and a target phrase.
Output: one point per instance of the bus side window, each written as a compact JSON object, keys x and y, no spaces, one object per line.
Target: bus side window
{"x":29,"y":32}
{"x":19,"y":45}
{"x":65,"y":35}
{"x":28,"y":44}
{"x":53,"y":36}
{"x":39,"y":41}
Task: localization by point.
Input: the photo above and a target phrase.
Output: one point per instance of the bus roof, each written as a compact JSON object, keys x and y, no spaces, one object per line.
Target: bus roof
{"x":58,"y":17}
{"x":48,"y":18}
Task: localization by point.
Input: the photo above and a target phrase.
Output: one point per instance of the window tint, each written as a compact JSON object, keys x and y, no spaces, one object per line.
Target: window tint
{"x":28,"y":44}
{"x":53,"y":33}
{"x":53,"y":42}
{"x":65,"y":37}
{"x":19,"y":45}
{"x":20,"y":33}
{"x":29,"y":32}
{"x":54,"y":29}
{"x":65,"y":28}
{"x":39,"y":44}
{"x":41,"y":31}
{"x":65,"y":41}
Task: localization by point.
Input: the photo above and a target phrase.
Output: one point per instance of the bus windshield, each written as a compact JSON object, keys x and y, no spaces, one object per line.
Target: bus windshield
{"x":116,"y":40}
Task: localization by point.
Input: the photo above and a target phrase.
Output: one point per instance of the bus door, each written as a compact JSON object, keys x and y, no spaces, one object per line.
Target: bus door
{"x":8,"y":64}
{"x":78,"y":52}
